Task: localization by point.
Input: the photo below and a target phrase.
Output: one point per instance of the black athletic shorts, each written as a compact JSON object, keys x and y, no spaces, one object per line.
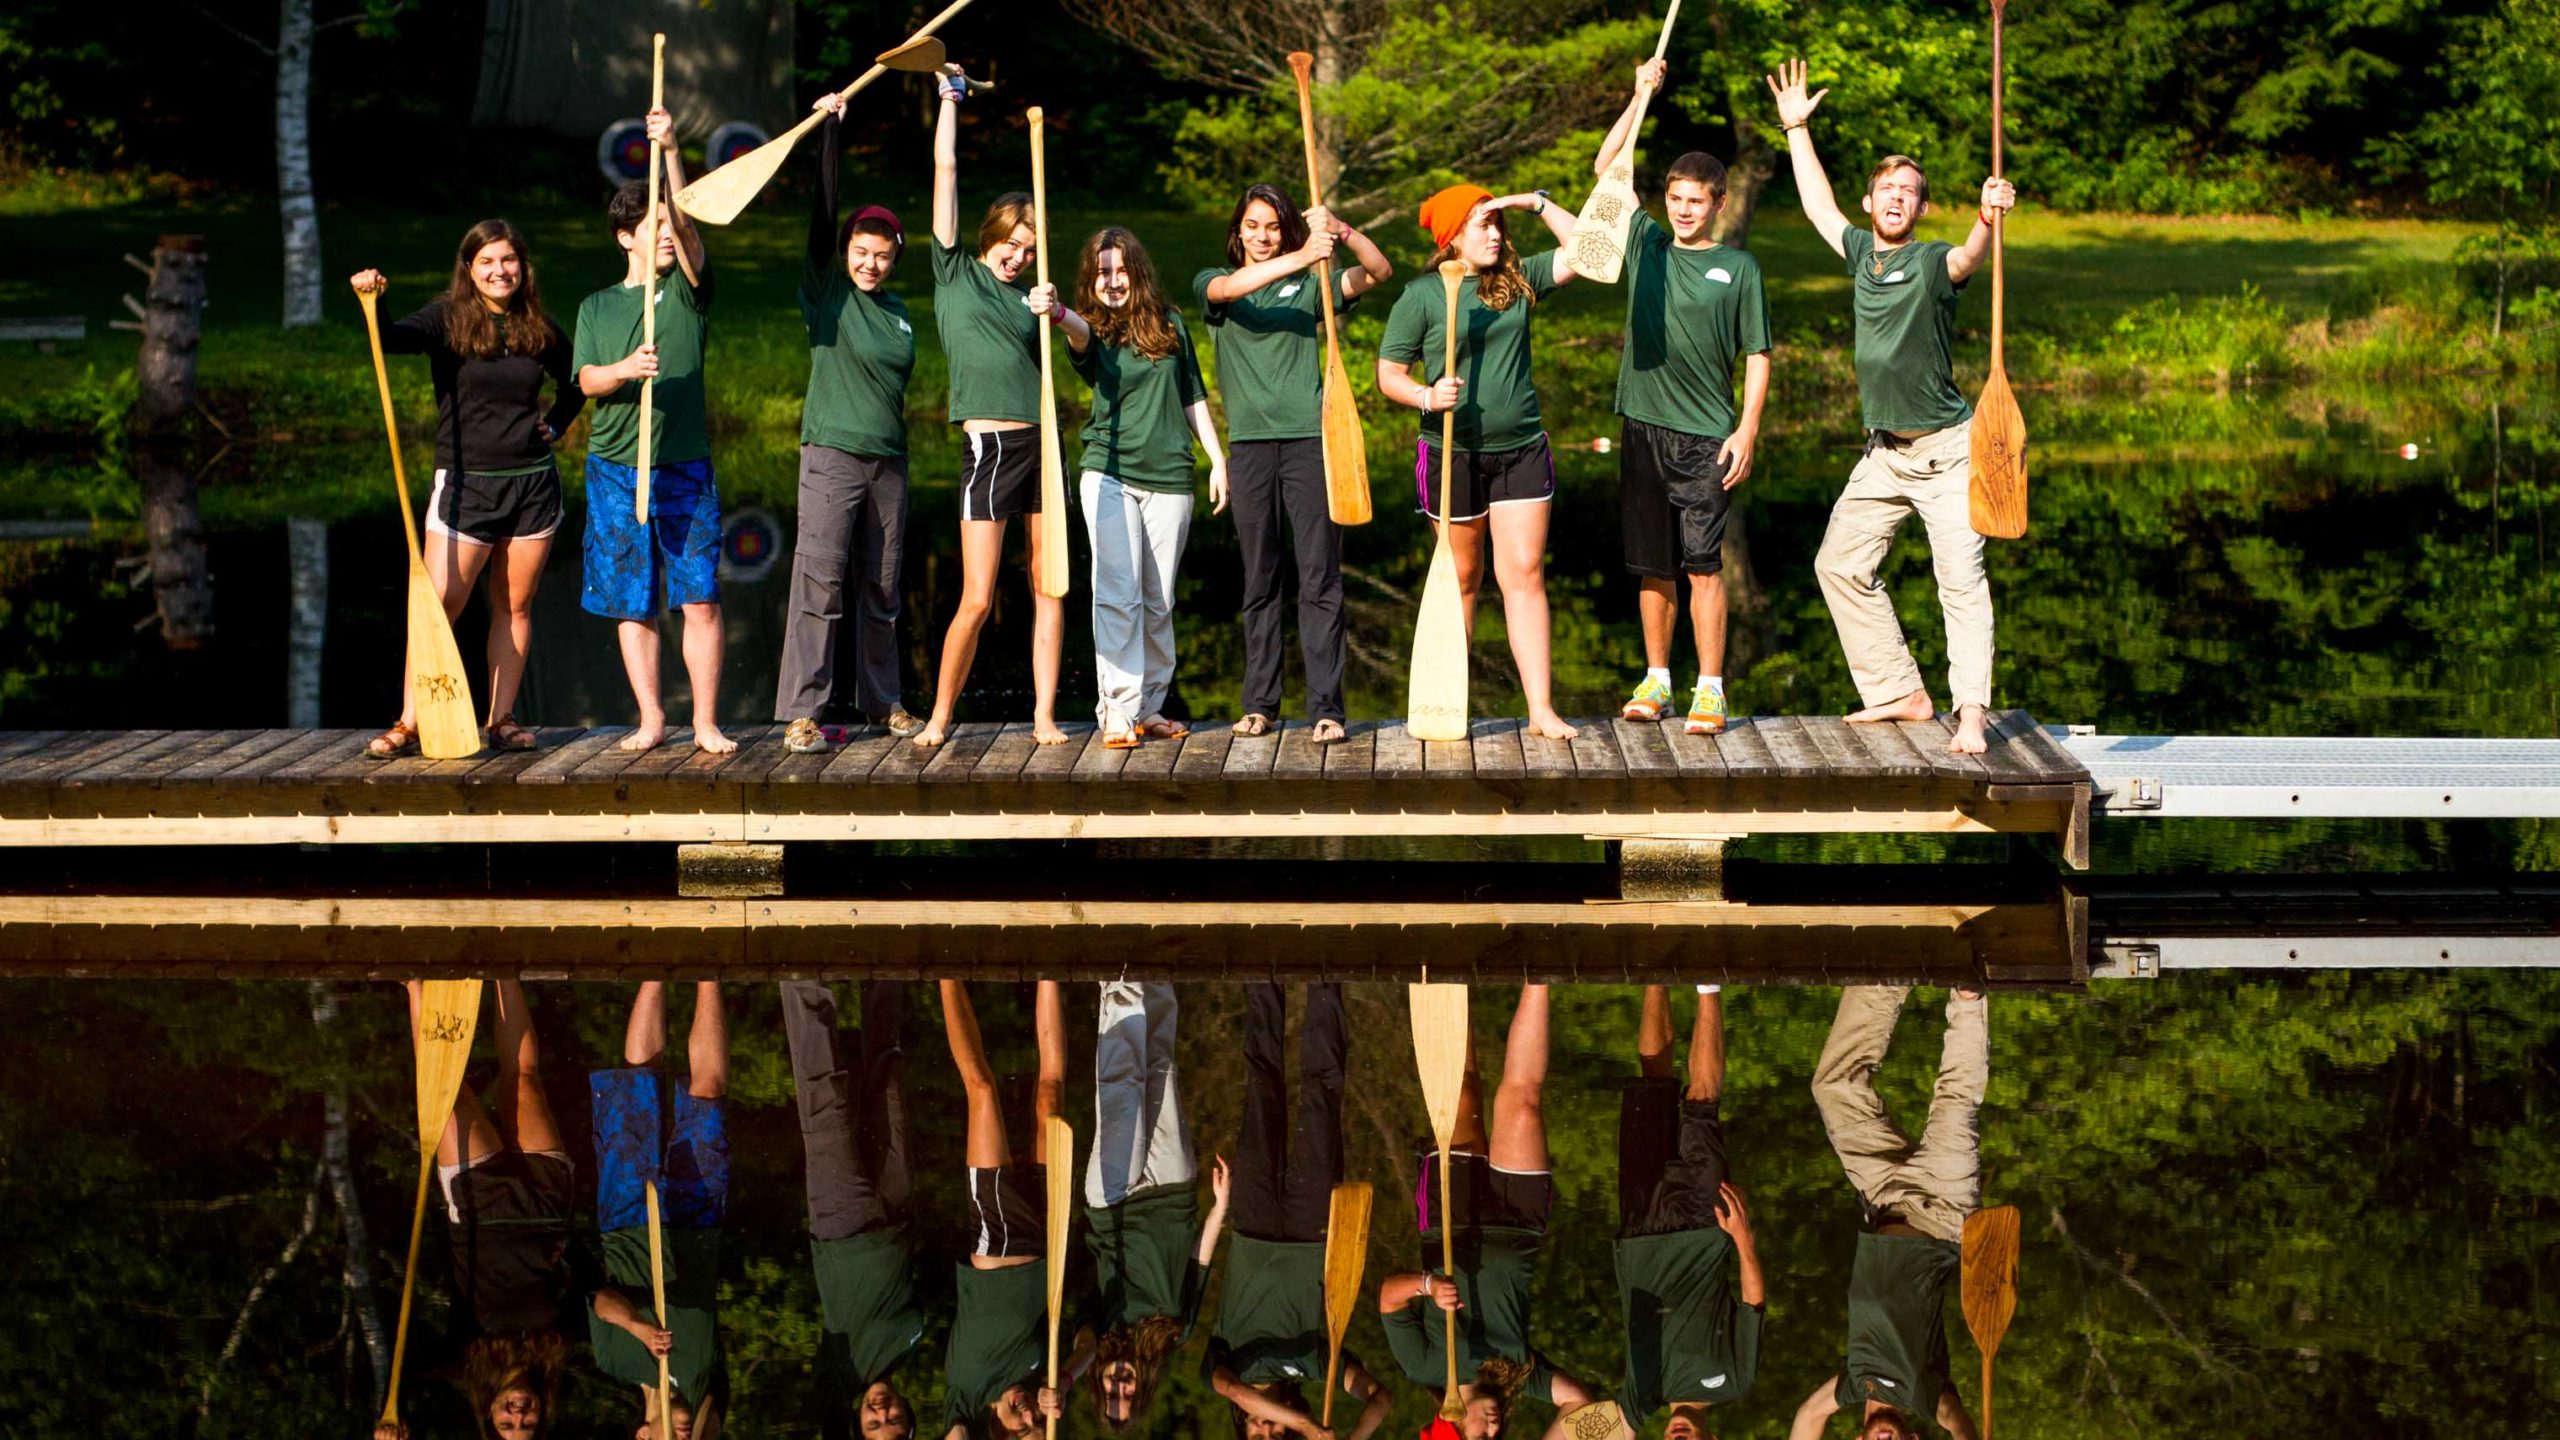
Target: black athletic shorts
{"x":1671,"y":500}
{"x":1009,"y":1210}
{"x":1000,"y":474}
{"x":1671,"y":1162}
{"x":1501,"y":1199}
{"x":489,"y":509}
{"x":1482,"y":479}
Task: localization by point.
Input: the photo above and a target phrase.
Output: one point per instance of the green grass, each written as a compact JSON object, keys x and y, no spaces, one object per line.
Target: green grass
{"x":2096,"y":303}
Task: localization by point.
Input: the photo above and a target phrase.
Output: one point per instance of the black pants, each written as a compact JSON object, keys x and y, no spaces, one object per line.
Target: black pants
{"x":853,"y":525}
{"x":1286,"y":1167}
{"x":853,"y":1107}
{"x":1267,"y":481}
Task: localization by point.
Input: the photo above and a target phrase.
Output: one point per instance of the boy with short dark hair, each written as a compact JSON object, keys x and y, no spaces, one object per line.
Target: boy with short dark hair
{"x":636,"y":569}
{"x":1693,"y":308}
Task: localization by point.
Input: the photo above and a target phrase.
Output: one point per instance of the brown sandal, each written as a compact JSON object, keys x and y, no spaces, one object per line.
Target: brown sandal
{"x":1253,"y":726}
{"x":1159,"y":728}
{"x":399,"y":740}
{"x":506,"y":734}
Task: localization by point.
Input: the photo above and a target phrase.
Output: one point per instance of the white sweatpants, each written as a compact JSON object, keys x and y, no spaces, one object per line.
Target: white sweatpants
{"x":1137,"y":537}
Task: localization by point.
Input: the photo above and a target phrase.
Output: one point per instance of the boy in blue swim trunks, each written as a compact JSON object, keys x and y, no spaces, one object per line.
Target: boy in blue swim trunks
{"x":655,"y":1127}
{"x":634,"y":571}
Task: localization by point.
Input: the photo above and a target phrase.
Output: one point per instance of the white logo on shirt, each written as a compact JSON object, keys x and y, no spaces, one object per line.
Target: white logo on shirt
{"x":1286,"y":291}
{"x":903,"y":325}
{"x":1721,"y":275}
{"x":1712,"y":1381}
{"x":1897,"y":277}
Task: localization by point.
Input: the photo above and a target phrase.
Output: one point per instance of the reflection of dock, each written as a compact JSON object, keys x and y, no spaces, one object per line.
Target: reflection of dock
{"x":1615,"y":780}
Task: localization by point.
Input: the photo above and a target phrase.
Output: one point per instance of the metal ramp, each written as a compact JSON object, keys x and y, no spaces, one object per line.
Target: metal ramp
{"x":2251,"y":777}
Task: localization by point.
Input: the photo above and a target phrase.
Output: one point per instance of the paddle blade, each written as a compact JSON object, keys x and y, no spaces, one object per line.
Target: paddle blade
{"x":922,"y":56}
{"x":1346,"y":450}
{"x":448,"y":1014}
{"x":719,"y":197}
{"x":1346,"y":1255}
{"x":1599,"y":1420}
{"x":1435,"y":703}
{"x":1439,"y":1052}
{"x":1990,"y":1283}
{"x":1597,"y":248}
{"x":448,"y":728}
{"x":1999,"y":491}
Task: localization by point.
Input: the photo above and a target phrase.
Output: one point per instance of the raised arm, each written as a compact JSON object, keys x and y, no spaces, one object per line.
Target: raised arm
{"x":1819,"y":1406}
{"x":1735,"y":1216}
{"x":1249,"y":278}
{"x":1256,"y":1404}
{"x":823,"y":255}
{"x":1649,"y":74}
{"x":946,"y":159}
{"x":1372,"y":268}
{"x":1559,"y":222}
{"x":1951,"y":1414}
{"x":1221,"y":1182}
{"x":689,"y":254}
{"x":1813,"y":188}
{"x":1375,"y":1401}
{"x":1997,"y":196}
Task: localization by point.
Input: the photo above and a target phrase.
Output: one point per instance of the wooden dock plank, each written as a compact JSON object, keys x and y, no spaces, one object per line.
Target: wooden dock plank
{"x":1250,"y":757}
{"x":1891,"y":749}
{"x":1058,"y":762}
{"x":1012,"y":749}
{"x":2058,"y":764}
{"x":1840,"y":750}
{"x":1399,"y":755}
{"x":902,"y":763}
{"x":1154,"y":760}
{"x":1356,"y":758}
{"x":250,"y":746}
{"x":1595,"y":750}
{"x":612,"y":760}
{"x":322,"y":759}
{"x":2003,"y":757}
{"x":252,"y":770}
{"x":1646,"y":751}
{"x":1498,"y":752}
{"x":506,"y":765}
{"x":956,"y":762}
{"x":759,"y":751}
{"x":24,"y":742}
{"x":854,"y":760}
{"x":1929,"y":737}
{"x":74,"y":753}
{"x":1204,"y":754}
{"x":555,"y":767}
{"x":1543,"y":758}
{"x":1300,"y":758}
{"x":1744,"y":748}
{"x":143,"y":764}
{"x":1698,"y":756}
{"x":1098,"y":763}
{"x":1796,"y":757}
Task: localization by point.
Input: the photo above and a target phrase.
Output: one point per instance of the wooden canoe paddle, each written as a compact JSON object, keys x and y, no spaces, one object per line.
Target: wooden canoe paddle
{"x":1998,"y":495}
{"x":1597,"y":247}
{"x":1435,"y":700}
{"x":1346,"y":452}
{"x":1051,"y":570}
{"x":448,"y":1014}
{"x":1440,"y":1043}
{"x":448,"y":728}
{"x":1990,"y":1286}
{"x":1346,"y":1264}
{"x":649,"y":287}
{"x":719,"y":197}
{"x":658,"y":1298}
{"x":1058,"y":1144}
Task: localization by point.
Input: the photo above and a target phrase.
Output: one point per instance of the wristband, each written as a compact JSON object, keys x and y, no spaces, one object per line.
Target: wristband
{"x":1986,"y":217}
{"x":1799,"y":125}
{"x":1542,"y":201}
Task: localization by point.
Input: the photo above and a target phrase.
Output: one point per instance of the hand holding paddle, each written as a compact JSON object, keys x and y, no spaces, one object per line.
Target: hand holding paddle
{"x":1990,"y":1286}
{"x":448,"y":1012}
{"x":1998,"y":496}
{"x":448,"y":728}
{"x":1051,"y":551}
{"x":719,"y":197}
{"x":1435,"y":701}
{"x":1597,"y":248}
{"x":1346,"y":452}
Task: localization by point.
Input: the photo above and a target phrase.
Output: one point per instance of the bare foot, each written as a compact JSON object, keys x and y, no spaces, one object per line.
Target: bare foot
{"x":1550,"y":726}
{"x":1914,"y":706}
{"x":1968,"y":739}
{"x":1046,"y":732}
{"x":652,"y":730}
{"x":709,"y":740}
{"x":932,"y":735}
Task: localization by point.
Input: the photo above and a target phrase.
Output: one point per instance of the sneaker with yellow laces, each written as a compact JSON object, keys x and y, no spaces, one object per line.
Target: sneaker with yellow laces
{"x":1652,"y":697}
{"x":1706,"y":710}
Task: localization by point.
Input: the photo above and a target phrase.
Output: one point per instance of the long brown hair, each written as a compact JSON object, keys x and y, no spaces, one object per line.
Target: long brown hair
{"x":494,"y":1364}
{"x":1007,"y":213}
{"x":1145,"y":324}
{"x":1145,"y":1345}
{"x":1293,"y":225}
{"x":1502,"y":284}
{"x":470,"y":327}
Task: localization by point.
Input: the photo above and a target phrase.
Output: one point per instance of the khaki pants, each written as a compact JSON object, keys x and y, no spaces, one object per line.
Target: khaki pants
{"x":1931,"y":475}
{"x":1138,"y":537}
{"x":1931,"y":1186}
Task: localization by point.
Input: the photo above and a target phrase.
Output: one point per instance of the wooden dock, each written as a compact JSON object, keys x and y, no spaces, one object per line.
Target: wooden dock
{"x":1615,"y":781}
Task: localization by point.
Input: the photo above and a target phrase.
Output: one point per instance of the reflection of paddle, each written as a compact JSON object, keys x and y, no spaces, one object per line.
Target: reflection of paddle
{"x":1990,"y":1286}
{"x":1435,"y":700}
{"x":1050,"y":572}
{"x":717,"y":198}
{"x":1058,"y":1140}
{"x":1346,"y":1260}
{"x":1599,"y":1420}
{"x":1597,"y":246}
{"x":1999,"y":490}
{"x":1346,"y":453}
{"x":448,"y":1013}
{"x":1440,"y":1057}
{"x":448,"y":728}
{"x":658,"y":1298}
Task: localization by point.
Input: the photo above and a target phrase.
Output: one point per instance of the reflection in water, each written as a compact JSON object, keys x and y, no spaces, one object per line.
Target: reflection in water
{"x":2291,"y":1203}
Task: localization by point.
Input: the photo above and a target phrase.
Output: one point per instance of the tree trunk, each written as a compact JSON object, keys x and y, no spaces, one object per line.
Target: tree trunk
{"x":301,"y":211}
{"x":307,"y":551}
{"x":336,"y":1165}
{"x":165,"y":395}
{"x":173,"y":527}
{"x":1328,"y":72}
{"x":1750,"y":632}
{"x":1754,"y":159}
{"x":172,"y":328}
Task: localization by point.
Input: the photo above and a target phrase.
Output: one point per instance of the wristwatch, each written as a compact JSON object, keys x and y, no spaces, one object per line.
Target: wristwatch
{"x":1542,"y":202}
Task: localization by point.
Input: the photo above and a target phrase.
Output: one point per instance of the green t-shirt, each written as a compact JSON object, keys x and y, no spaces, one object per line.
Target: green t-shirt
{"x":1691,"y":316}
{"x":1271,"y":354}
{"x":1142,"y":1252}
{"x":999,"y":1326}
{"x":861,"y":351}
{"x":867,"y":1303}
{"x":1137,"y":432}
{"x":692,"y":1259}
{"x":1906,"y":308}
{"x":1271,"y":1313}
{"x":1498,"y":407}
{"x":1689,"y":1336}
{"x":680,"y":419}
{"x":990,"y":339}
{"x":1898,"y":1322}
{"x":1493,"y":1314}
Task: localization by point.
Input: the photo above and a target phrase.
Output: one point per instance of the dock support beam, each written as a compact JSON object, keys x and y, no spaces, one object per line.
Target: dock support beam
{"x":1671,"y":869}
{"x":728,"y":871}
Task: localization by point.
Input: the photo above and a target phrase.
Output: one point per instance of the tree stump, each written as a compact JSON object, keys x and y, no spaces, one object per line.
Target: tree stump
{"x":163,"y":462}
